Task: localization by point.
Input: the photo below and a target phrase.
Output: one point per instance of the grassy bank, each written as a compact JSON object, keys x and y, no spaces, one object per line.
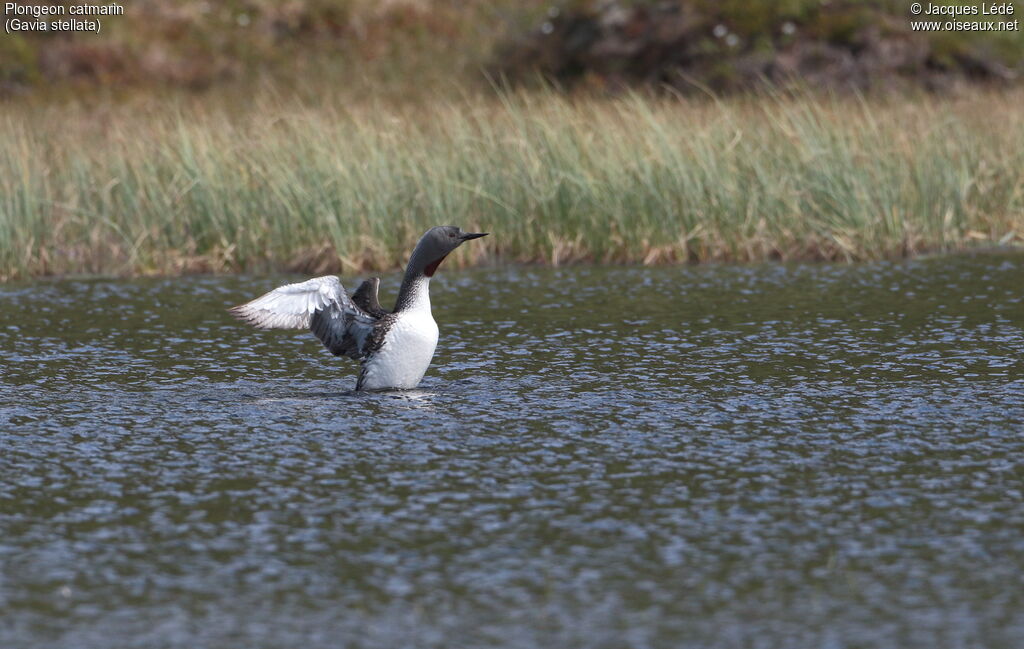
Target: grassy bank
{"x":170,"y":187}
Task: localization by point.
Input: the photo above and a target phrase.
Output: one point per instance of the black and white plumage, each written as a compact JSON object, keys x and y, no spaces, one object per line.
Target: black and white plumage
{"x":394,"y":349}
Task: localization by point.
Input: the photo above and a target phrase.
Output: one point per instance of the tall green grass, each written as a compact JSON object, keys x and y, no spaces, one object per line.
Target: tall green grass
{"x":168,"y":187}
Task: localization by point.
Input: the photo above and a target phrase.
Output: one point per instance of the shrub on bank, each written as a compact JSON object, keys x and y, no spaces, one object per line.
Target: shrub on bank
{"x":694,"y":45}
{"x":405,"y":44}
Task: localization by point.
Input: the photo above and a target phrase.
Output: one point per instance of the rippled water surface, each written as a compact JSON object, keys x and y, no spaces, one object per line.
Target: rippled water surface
{"x":773,"y":456}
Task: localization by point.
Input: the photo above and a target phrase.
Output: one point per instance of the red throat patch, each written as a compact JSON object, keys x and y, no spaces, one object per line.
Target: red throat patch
{"x":432,"y":267}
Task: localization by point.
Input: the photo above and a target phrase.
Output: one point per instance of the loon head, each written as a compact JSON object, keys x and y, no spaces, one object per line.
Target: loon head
{"x":436,"y":244}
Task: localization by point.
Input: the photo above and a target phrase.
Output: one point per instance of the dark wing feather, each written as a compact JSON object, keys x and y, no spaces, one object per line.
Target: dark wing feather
{"x":342,"y":332}
{"x":366,"y":298}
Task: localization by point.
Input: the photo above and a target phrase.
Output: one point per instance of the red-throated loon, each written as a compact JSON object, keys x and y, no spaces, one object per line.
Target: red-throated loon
{"x":394,"y":349}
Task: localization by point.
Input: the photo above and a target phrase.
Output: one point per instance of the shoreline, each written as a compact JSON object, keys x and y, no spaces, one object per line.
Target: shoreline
{"x":979,"y":249}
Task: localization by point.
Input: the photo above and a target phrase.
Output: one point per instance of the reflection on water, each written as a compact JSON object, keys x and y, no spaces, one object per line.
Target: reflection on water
{"x":771,"y":456}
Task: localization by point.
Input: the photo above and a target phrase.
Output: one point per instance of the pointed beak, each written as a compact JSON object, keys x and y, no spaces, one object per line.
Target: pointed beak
{"x":466,"y":236}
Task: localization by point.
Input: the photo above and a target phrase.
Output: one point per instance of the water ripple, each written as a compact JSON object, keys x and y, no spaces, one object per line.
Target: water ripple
{"x":770,"y":456}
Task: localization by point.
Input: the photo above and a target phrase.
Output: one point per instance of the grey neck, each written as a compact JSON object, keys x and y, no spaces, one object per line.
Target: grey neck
{"x":415,"y":284}
{"x":414,"y":294}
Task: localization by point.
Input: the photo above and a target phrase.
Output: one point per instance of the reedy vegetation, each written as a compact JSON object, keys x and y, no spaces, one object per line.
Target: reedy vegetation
{"x":171,"y":187}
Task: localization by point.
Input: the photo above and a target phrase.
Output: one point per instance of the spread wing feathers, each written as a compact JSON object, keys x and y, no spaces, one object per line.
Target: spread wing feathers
{"x":320,"y":304}
{"x":366,"y":298}
{"x":344,"y":332}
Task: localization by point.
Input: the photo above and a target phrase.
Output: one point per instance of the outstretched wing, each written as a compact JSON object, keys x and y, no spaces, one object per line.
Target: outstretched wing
{"x":321,"y":305}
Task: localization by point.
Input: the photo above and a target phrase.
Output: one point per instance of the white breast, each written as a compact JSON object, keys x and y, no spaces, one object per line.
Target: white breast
{"x":405,"y":355}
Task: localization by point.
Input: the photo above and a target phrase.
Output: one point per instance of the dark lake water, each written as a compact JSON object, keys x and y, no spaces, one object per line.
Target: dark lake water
{"x":735,"y":457}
